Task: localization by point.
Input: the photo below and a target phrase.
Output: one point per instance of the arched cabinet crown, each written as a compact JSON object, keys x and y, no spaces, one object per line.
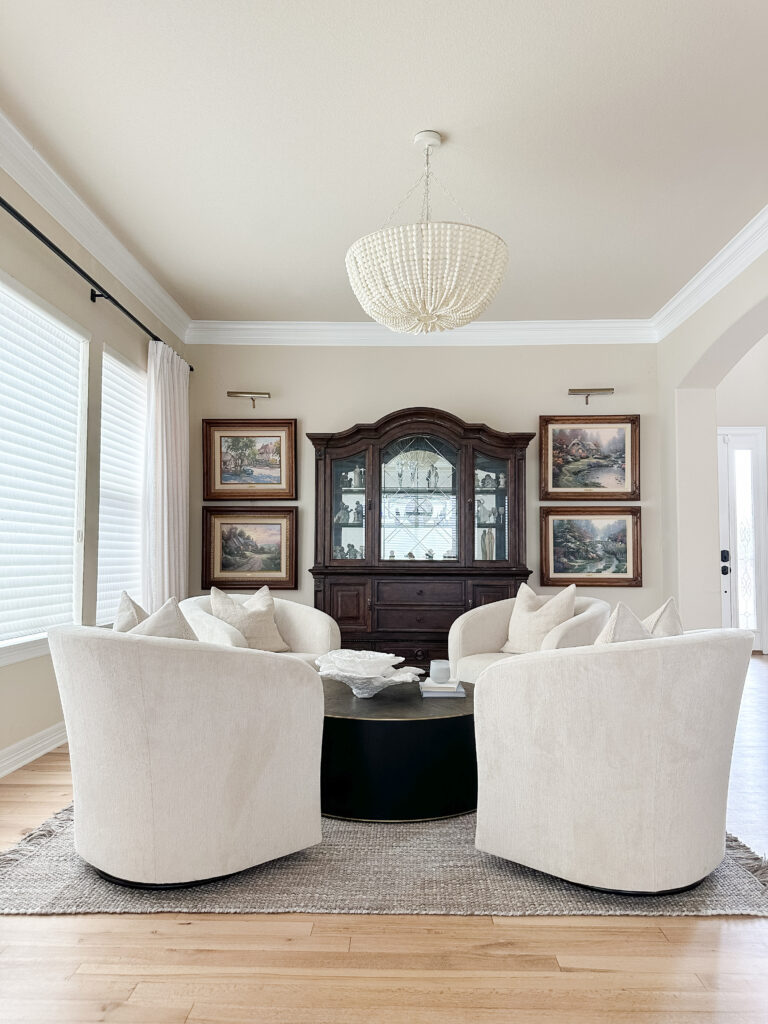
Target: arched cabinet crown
{"x":419,"y":517}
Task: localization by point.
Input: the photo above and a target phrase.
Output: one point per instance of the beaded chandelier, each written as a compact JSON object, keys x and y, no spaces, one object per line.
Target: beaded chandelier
{"x":428,"y":276}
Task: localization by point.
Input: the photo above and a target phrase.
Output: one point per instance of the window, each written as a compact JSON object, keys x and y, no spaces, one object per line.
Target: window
{"x":43,"y":367}
{"x":123,"y":406}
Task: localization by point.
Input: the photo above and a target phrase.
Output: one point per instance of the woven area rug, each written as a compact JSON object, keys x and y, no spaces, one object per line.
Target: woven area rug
{"x":362,"y":868}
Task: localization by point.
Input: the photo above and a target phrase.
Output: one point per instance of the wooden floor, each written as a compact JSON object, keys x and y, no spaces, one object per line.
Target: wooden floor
{"x":329,"y":969}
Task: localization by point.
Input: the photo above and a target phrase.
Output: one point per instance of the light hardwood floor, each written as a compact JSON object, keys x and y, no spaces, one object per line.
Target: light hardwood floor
{"x":332,"y":969}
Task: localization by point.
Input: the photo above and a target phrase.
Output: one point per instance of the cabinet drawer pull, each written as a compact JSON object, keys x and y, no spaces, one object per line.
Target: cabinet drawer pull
{"x":418,"y":654}
{"x":419,"y":593}
{"x":419,"y":618}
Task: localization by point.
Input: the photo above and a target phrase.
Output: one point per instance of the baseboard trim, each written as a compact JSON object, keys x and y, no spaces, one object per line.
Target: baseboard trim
{"x":21,"y":753}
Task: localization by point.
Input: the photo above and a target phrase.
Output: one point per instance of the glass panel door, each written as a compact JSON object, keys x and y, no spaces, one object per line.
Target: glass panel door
{"x":491,"y":508}
{"x":349,"y":508}
{"x":419,"y":513}
{"x":741,"y":457}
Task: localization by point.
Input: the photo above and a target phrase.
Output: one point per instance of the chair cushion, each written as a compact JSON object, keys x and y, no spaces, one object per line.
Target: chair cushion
{"x":167,"y":621}
{"x":255,"y":619}
{"x":665,"y":621}
{"x":469,"y":668}
{"x":622,"y":625}
{"x":533,"y":616}
{"x":308,"y":658}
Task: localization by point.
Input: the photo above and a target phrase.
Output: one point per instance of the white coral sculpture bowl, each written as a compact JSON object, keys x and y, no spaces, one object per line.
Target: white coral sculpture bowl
{"x":365,"y":672}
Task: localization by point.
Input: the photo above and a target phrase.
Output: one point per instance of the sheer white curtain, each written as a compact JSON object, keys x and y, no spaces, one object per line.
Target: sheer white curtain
{"x":165,"y":534}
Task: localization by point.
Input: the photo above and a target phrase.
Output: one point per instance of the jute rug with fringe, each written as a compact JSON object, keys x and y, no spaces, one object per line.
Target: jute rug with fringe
{"x":363,"y":868}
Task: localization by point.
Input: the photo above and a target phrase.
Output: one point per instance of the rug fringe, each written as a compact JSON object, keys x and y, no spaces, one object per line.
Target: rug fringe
{"x":37,"y":838}
{"x":747,"y":858}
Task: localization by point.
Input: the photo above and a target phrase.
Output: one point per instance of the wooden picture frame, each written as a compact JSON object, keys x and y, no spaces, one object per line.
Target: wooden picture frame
{"x":589,"y":458}
{"x":253,"y":459}
{"x":244,"y":548}
{"x":583,"y":556}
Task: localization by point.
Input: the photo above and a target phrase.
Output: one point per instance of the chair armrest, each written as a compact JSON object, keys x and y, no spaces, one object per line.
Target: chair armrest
{"x":579,"y":631}
{"x":479,"y":631}
{"x":306,"y":629}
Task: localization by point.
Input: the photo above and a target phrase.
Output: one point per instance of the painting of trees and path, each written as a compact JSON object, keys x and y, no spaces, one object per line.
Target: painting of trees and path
{"x":244,"y":548}
{"x":595,"y":547}
{"x":595,"y":457}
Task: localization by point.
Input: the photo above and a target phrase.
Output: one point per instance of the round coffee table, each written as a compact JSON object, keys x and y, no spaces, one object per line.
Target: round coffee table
{"x":397,"y":756}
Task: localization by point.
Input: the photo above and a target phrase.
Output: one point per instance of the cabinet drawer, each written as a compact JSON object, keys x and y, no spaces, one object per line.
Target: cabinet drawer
{"x":419,"y":592}
{"x":409,"y":620}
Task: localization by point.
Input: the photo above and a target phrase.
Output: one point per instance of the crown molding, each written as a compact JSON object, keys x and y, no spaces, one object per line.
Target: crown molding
{"x":743,"y":249}
{"x":479,"y":333}
{"x":26,"y":166}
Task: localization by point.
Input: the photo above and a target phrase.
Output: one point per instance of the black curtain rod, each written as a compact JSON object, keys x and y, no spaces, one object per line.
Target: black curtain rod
{"x":97,"y":291}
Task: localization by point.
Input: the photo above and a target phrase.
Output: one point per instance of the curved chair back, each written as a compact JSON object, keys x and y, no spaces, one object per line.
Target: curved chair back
{"x":189,"y":761}
{"x":609,"y":765}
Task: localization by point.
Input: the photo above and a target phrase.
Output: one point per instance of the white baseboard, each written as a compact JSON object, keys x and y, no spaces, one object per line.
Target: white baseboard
{"x":21,"y":753}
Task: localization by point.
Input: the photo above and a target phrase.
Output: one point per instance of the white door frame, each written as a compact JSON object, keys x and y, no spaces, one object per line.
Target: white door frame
{"x":757,"y":439}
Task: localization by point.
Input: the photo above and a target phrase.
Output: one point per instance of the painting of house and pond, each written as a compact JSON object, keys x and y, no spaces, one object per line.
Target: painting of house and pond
{"x":591,"y":457}
{"x":250,"y":460}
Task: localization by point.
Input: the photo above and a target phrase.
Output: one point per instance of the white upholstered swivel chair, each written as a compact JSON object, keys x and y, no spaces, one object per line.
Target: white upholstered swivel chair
{"x":608,"y":766}
{"x":189,"y":761}
{"x":476,"y":637}
{"x":307,"y":631}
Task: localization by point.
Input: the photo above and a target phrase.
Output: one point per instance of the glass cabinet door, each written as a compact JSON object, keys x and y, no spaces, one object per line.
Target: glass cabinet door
{"x":491,"y":508}
{"x":349,"y":508}
{"x":419,"y":514}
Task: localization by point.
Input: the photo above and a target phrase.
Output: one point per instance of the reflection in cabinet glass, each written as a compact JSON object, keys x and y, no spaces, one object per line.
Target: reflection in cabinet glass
{"x":491,"y":508}
{"x":419,"y":519}
{"x":349,"y":508}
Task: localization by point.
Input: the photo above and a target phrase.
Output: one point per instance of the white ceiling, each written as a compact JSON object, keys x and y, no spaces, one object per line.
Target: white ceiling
{"x":237,"y":147}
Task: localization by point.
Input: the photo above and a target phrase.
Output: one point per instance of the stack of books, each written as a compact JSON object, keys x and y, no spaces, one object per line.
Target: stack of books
{"x":451,"y":688}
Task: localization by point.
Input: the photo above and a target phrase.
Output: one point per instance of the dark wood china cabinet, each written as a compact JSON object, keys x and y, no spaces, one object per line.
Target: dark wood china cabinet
{"x":419,"y":517}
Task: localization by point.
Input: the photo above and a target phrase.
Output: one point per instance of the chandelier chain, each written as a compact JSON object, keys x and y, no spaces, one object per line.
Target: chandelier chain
{"x":428,"y":177}
{"x":452,"y":198}
{"x":403,"y":201}
{"x":425,"y":203}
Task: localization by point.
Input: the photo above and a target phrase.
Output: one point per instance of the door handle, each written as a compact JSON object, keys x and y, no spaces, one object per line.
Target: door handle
{"x":725,"y":555}
{"x":725,"y":569}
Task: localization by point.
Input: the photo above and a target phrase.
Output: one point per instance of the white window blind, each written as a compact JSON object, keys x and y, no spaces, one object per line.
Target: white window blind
{"x":123,"y":410}
{"x":42,"y":366}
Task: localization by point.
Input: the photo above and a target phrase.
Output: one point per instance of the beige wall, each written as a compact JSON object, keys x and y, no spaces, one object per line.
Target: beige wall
{"x":697,"y":356}
{"x":28,"y":697}
{"x":742,"y":395}
{"x":329,"y":389}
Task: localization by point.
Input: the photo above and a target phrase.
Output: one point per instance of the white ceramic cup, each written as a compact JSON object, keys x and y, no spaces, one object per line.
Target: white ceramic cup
{"x":440,"y":671}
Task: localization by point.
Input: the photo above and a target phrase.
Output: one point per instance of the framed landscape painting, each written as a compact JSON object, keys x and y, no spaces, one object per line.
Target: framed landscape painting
{"x":589,"y":458}
{"x":249,"y":459}
{"x":591,"y":547}
{"x":244,"y":548}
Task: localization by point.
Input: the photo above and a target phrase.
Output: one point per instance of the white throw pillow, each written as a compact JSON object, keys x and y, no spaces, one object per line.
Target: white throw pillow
{"x":622,"y":625}
{"x":129,"y":614}
{"x":167,"y":621}
{"x":665,"y":621}
{"x":255,"y":619}
{"x":534,"y":616}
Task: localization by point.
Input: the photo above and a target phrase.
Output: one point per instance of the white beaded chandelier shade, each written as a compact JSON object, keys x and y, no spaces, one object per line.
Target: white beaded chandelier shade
{"x":428,"y":276}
